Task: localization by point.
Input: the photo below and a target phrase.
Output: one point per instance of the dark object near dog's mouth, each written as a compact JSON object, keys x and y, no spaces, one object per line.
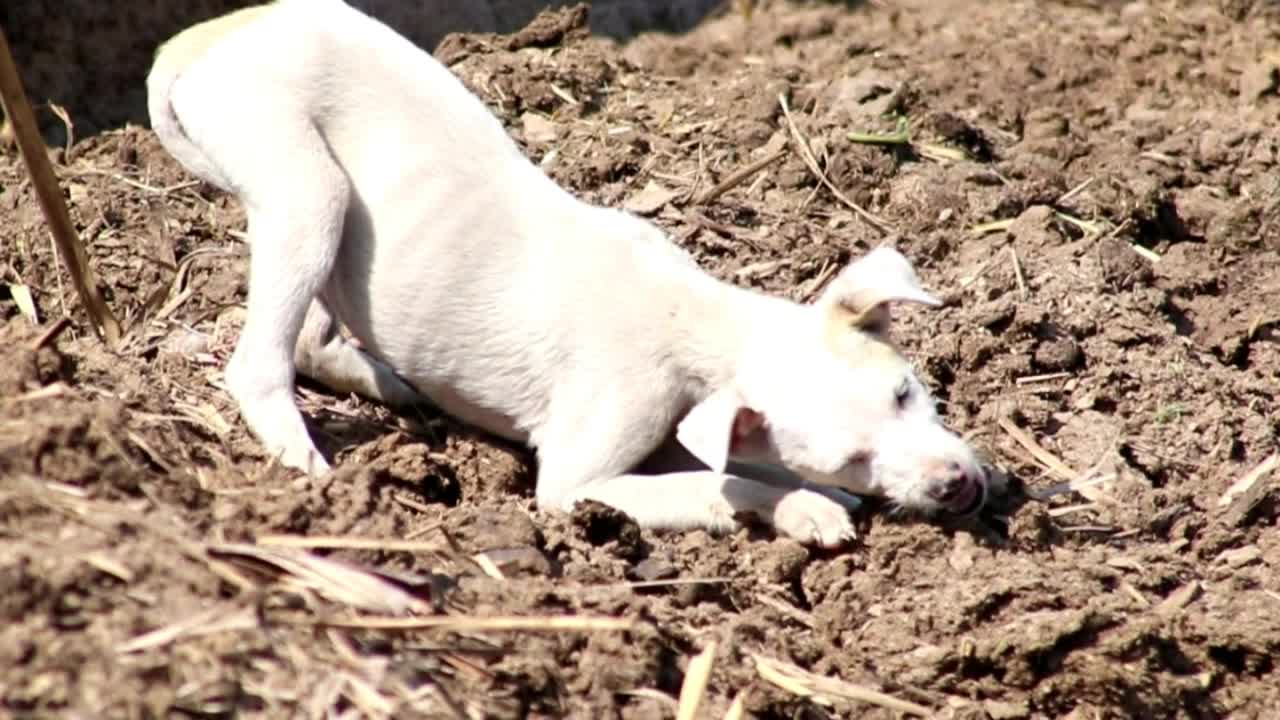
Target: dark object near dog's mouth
{"x":974,"y":505}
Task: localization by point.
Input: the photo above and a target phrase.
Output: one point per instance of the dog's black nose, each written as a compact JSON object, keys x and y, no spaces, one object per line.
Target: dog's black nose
{"x":958,"y":490}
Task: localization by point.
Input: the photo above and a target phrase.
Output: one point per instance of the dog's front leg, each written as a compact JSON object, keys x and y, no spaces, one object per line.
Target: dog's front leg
{"x":695,"y":499}
{"x":705,"y":499}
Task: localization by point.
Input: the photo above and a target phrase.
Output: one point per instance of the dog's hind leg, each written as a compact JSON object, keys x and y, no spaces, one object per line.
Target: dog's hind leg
{"x":266,"y":147}
{"x":332,"y":360}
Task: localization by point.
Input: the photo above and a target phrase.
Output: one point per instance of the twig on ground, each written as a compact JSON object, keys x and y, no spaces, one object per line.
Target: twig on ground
{"x":1017,"y":272}
{"x":1068,"y":195}
{"x":138,"y":185}
{"x":456,"y":623}
{"x":991,"y":227}
{"x":51,"y":334}
{"x":672,"y":582}
{"x":1046,"y":377}
{"x":739,"y":176}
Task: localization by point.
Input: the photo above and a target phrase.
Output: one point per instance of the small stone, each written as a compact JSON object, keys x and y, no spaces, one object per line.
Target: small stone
{"x":650,"y":200}
{"x":1044,"y":124}
{"x":1134,"y":10}
{"x":866,"y":97}
{"x":186,"y":342}
{"x":1240,"y":557}
{"x":1034,"y":226}
{"x":1059,"y":354}
{"x":538,"y":130}
{"x":1258,"y":80}
{"x":999,"y":710}
{"x":961,"y":558}
{"x":524,"y":559}
{"x":783,"y":562}
{"x":654,"y":567}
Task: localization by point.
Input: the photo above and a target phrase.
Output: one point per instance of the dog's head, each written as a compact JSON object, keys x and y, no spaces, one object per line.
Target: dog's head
{"x":833,"y":400}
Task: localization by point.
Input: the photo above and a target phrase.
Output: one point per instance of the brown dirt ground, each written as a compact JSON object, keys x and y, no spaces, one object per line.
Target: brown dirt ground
{"x":1152,"y":368}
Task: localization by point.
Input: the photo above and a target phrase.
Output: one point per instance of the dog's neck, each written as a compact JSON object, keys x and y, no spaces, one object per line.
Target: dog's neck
{"x":723,"y":326}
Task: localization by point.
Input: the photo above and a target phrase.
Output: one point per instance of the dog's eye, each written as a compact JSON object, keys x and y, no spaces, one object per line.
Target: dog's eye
{"x":902,"y":394}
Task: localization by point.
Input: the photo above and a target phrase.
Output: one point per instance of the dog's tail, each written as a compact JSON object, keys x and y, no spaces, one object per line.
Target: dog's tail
{"x":172,"y":59}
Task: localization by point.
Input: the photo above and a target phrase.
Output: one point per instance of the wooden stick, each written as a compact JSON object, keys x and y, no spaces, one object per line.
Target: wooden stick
{"x":34,"y":154}
{"x":737,"y":177}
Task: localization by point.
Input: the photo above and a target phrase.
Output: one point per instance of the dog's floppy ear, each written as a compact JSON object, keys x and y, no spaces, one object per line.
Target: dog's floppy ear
{"x":860,"y":296}
{"x":716,"y":426}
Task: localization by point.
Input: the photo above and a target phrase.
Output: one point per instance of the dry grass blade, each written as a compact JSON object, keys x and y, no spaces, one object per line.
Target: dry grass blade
{"x":1017,"y":272}
{"x":21,"y":295}
{"x":102,"y":562}
{"x":1073,"y":192}
{"x":52,"y":390}
{"x":18,"y":110}
{"x":463,"y":623}
{"x":212,"y":621}
{"x":1046,"y":377}
{"x":738,"y":709}
{"x":799,"y":681}
{"x":1086,"y":227}
{"x":1147,"y":253}
{"x":348,"y":543}
{"x":488,"y":566}
{"x":991,"y":227}
{"x":1046,"y":458}
{"x":335,"y":580}
{"x":807,"y":154}
{"x":941,"y":153}
{"x":1249,"y":479}
{"x":695,"y":682}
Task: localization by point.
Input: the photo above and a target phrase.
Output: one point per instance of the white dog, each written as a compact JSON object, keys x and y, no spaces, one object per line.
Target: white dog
{"x":383,"y":195}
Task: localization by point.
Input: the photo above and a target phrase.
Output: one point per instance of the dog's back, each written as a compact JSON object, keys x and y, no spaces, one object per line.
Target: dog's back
{"x":460,"y":260}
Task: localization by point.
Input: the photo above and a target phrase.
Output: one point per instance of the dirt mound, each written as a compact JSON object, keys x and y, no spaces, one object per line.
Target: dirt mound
{"x":1090,"y":185}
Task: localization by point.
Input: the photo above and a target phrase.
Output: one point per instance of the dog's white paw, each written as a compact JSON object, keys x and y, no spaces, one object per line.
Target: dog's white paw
{"x":813,"y":519}
{"x":308,"y":460}
{"x":274,"y":419}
